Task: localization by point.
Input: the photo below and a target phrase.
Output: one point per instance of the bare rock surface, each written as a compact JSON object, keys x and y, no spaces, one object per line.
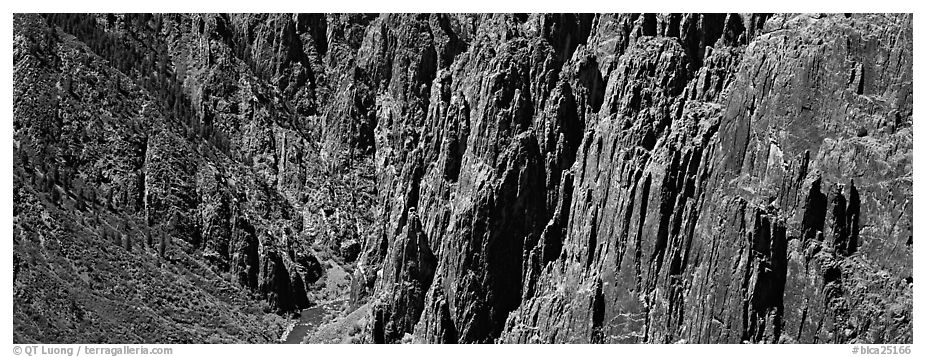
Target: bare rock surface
{"x":464,"y":178}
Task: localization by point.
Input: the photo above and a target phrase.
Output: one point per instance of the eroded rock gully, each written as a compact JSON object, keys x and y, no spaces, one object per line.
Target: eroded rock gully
{"x":627,"y":178}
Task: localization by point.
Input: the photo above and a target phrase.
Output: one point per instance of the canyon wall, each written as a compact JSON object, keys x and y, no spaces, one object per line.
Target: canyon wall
{"x":473,"y":178}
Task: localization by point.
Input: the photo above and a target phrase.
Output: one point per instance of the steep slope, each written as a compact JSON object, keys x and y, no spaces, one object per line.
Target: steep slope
{"x":475,"y":178}
{"x":763,"y":215}
{"x":646,"y":178}
{"x":173,"y":159}
{"x":92,"y":150}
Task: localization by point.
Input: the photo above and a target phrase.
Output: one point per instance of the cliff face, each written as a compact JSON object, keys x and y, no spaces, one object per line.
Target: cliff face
{"x":705,"y":178}
{"x":109,"y":200}
{"x":761,"y":212}
{"x":652,"y":178}
{"x":160,"y":137}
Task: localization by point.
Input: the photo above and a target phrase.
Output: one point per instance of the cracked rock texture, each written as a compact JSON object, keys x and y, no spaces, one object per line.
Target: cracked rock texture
{"x":472,"y":178}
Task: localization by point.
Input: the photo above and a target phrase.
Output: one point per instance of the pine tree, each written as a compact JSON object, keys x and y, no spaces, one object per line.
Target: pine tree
{"x":55,"y":195}
{"x":79,"y":201}
{"x":127,"y":241}
{"x":165,"y":241}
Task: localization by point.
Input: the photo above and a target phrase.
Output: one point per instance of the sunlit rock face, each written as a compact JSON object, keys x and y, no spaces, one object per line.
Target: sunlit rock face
{"x":464,"y":178}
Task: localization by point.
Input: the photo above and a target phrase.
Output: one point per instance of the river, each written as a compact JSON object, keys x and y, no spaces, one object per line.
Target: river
{"x":310,"y":319}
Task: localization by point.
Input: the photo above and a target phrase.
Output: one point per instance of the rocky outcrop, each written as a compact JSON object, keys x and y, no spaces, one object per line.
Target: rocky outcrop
{"x":676,"y":157}
{"x":604,"y":178}
{"x":163,"y":127}
{"x":99,"y":159}
{"x":727,"y":207}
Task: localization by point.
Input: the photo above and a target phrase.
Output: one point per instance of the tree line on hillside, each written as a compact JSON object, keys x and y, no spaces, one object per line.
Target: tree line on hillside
{"x":149,"y":63}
